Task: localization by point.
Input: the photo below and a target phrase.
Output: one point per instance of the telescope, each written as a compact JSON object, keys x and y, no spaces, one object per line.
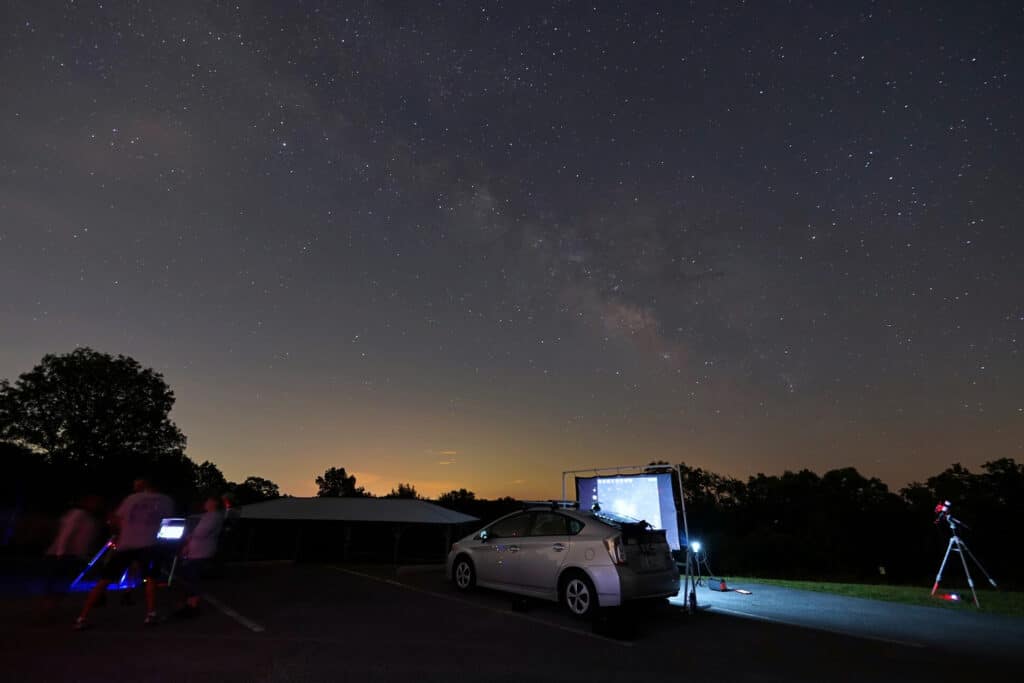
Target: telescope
{"x":942,"y":514}
{"x":956,"y":545}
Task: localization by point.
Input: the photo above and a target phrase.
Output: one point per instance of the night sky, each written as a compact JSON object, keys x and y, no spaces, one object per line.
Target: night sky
{"x":476,"y":244}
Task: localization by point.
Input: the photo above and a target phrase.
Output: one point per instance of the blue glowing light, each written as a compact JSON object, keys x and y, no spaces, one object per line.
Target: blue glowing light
{"x":81,"y":584}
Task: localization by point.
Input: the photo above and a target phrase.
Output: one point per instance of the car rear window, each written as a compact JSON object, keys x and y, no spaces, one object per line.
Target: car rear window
{"x":549,"y":524}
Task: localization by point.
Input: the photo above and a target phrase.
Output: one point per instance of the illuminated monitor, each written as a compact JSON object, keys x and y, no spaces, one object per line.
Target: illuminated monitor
{"x":648,"y":497}
{"x":171,"y":529}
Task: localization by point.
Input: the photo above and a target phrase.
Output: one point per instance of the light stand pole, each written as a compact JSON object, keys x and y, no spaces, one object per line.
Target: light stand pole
{"x":689,"y":585}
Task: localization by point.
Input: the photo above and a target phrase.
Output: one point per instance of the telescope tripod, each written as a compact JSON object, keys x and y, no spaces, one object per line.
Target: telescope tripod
{"x":957,"y":545}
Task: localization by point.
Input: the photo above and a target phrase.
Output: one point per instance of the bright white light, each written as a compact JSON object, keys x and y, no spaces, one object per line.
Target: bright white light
{"x":171,"y":529}
{"x":695,"y":546}
{"x":171,"y":533}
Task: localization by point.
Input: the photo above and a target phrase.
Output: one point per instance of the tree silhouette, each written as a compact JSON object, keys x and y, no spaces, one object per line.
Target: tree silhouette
{"x":337,"y":482}
{"x":210,"y":481}
{"x":404,"y":491}
{"x":98,"y":419}
{"x":457,"y":499}
{"x":254,"y":490}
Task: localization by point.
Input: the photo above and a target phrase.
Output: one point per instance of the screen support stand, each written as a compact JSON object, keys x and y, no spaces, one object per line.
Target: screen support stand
{"x":689,"y":584}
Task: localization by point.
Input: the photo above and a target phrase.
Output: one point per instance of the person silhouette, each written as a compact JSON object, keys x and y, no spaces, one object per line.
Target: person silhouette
{"x":199,"y":548}
{"x":137,"y":522}
{"x":72,"y":546}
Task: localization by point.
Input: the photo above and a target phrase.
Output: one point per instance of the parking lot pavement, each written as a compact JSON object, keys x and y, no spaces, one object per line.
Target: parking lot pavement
{"x":965,"y":631}
{"x":751,"y":648}
{"x":319,"y":623}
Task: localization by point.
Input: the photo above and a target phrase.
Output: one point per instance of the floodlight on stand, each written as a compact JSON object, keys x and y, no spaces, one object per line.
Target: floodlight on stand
{"x":695,"y":546}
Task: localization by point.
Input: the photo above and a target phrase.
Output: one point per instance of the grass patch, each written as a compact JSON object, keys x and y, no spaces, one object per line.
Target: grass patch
{"x":1009,"y":603}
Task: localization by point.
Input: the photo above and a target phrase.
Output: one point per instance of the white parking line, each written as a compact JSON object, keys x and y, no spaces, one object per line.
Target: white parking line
{"x":471,"y":603}
{"x":839,"y":632}
{"x":229,"y":612}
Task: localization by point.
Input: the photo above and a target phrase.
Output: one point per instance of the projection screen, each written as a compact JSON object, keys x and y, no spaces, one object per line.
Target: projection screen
{"x":650,"y":497}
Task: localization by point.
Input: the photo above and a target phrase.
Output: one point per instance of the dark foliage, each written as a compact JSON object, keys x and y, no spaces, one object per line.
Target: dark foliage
{"x":335,"y":481}
{"x":842,"y":525}
{"x":253,"y":490}
{"x":96,"y":421}
{"x":404,"y":491}
{"x":210,"y":481}
{"x":88,"y":422}
{"x":458,"y":500}
{"x":467,"y":503}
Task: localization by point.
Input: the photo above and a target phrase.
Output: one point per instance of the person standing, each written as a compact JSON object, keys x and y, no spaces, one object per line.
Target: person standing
{"x":137,"y":522}
{"x":71,"y":548}
{"x":199,"y":549}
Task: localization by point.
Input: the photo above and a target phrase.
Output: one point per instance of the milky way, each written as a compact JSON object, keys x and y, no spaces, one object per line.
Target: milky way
{"x":467,"y":244}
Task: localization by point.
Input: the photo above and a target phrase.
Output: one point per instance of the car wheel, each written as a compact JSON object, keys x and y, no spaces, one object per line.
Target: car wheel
{"x":579,"y":596}
{"x":463,"y":574}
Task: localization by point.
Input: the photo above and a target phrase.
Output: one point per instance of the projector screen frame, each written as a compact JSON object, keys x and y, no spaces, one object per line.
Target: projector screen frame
{"x":689,"y":583}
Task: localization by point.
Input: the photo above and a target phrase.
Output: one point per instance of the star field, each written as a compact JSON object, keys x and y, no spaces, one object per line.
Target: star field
{"x":475,"y":244}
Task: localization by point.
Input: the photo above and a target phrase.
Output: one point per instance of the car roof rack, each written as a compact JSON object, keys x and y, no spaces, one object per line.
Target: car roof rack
{"x":553,"y":504}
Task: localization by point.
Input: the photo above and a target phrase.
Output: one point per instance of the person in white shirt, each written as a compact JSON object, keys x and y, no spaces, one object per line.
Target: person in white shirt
{"x":137,"y":522}
{"x":199,"y":549}
{"x":74,"y":544}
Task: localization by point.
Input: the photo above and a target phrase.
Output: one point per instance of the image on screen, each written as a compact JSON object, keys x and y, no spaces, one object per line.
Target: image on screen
{"x":635,"y":497}
{"x":647,"y":497}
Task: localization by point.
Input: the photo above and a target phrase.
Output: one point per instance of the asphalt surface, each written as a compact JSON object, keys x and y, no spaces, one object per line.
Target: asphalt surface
{"x":964,"y":631}
{"x":318,"y":623}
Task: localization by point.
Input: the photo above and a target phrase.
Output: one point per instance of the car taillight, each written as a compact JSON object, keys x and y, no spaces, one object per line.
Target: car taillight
{"x":615,"y":549}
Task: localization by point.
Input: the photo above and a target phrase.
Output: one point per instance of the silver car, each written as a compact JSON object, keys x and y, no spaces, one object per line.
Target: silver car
{"x":583,"y":559}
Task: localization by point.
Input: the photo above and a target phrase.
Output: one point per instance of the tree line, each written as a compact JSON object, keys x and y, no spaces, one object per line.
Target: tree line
{"x":89,"y":422}
{"x":336,"y":482}
{"x":843,"y":525}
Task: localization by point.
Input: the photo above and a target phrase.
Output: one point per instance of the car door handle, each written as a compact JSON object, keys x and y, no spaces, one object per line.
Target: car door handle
{"x":513,"y":549}
{"x":558,"y":547}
